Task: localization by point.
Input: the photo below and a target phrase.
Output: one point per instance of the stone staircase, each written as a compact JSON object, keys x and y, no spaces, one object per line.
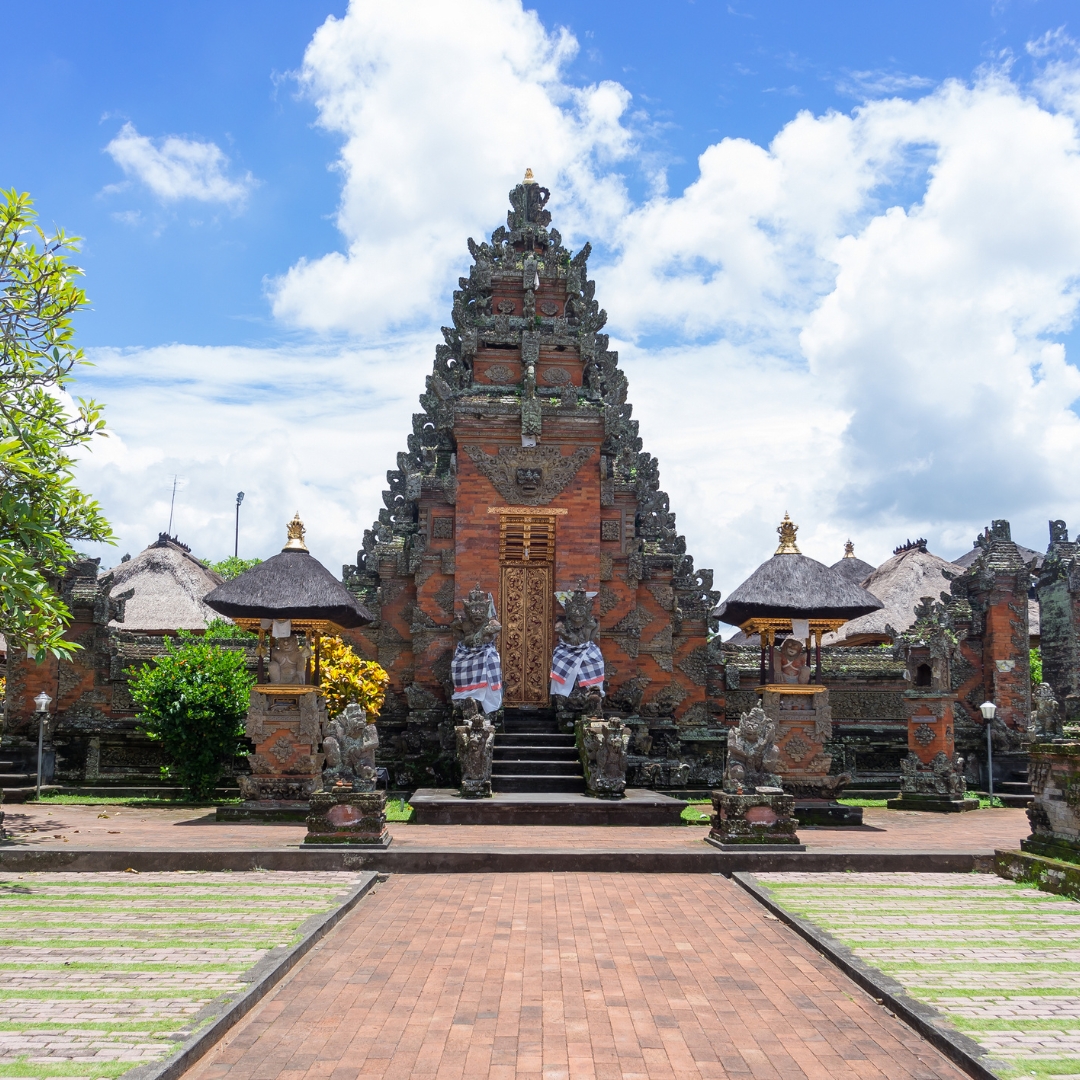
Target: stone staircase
{"x":1016,"y":791}
{"x":17,"y":784}
{"x":533,"y":755}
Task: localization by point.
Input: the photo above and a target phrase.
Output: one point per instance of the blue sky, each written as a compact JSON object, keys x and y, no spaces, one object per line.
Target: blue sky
{"x":246,"y":330}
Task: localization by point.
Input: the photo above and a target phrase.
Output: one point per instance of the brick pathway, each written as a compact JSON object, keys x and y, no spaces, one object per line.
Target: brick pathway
{"x":1001,"y":962}
{"x":108,"y":970}
{"x":567,"y":976}
{"x":126,"y":828}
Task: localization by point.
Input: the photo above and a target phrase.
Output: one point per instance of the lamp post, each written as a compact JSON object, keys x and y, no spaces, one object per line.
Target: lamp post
{"x":236,"y":543}
{"x":989,"y":711}
{"x":42,"y":701}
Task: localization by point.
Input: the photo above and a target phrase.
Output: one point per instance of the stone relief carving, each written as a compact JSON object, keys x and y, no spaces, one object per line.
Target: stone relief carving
{"x":556,"y":471}
{"x":555,"y":376}
{"x":501,"y":373}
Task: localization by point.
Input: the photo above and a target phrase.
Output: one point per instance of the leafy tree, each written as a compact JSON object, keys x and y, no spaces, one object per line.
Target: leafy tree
{"x":193,"y":701}
{"x":1035,"y":659}
{"x":232,"y":566}
{"x":344,"y":677}
{"x":42,"y":512}
{"x":224,"y":630}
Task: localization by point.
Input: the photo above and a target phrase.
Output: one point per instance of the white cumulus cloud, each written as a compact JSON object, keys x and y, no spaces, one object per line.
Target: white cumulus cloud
{"x":176,"y":168}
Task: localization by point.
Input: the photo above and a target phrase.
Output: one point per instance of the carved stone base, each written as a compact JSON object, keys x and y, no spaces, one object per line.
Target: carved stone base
{"x":823,"y":812}
{"x":348,"y":817}
{"x":277,"y":788}
{"x":473,"y":788}
{"x":932,"y":803}
{"x":761,"y":819}
{"x":1052,"y":848}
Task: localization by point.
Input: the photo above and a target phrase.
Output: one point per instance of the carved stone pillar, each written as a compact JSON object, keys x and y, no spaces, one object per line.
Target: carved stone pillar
{"x":344,"y":816}
{"x":1054,"y":775}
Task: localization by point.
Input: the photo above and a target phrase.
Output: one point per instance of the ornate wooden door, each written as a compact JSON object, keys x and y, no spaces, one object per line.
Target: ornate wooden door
{"x":526,"y":595}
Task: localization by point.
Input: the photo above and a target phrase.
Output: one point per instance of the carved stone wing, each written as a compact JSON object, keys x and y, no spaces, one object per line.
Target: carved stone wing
{"x":557,"y":470}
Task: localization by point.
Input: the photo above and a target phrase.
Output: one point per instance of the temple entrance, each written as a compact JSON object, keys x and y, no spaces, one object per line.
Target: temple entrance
{"x":526,"y":595}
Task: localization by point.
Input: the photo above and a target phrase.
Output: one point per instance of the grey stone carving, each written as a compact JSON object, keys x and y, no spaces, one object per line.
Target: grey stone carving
{"x":349,"y":744}
{"x":475,"y":743}
{"x":556,"y":471}
{"x":1046,"y":722}
{"x":753,"y":756}
{"x":603,"y":745}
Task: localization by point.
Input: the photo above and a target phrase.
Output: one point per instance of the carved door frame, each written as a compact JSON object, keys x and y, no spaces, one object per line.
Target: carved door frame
{"x":526,"y":601}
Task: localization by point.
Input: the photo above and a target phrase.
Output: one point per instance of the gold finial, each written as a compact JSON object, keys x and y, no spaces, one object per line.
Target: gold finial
{"x":849,"y":550}
{"x":296,"y":534}
{"x":528,"y":177}
{"x":787,"y":533}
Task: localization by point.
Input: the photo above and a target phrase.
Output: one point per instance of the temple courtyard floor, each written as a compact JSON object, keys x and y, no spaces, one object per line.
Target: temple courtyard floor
{"x":548,"y":975}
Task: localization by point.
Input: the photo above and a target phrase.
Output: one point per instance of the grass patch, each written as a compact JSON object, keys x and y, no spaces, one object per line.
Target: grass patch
{"x":139,"y":1027}
{"x":28,"y":993}
{"x":399,"y":810}
{"x":1027,"y":1066}
{"x":965,"y":1023}
{"x":862,"y":802}
{"x":76,"y":965}
{"x":61,"y":799}
{"x":694,"y":815}
{"x":103,"y":1070}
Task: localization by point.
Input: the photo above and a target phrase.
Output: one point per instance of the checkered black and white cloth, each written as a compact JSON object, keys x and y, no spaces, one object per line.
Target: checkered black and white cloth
{"x":581,"y":664}
{"x":477,"y":673}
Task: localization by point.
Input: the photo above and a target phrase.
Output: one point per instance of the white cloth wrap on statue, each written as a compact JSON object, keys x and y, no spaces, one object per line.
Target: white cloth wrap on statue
{"x":477,"y":673}
{"x":581,"y":664}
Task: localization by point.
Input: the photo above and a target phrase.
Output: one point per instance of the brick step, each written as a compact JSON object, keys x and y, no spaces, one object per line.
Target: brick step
{"x":539,"y":784}
{"x":1015,"y":800}
{"x":536,"y":768}
{"x":14,"y":780}
{"x":532,"y":738}
{"x":535,"y":753}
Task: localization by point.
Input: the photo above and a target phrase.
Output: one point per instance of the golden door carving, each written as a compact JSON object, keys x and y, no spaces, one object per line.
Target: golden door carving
{"x":526,"y":595}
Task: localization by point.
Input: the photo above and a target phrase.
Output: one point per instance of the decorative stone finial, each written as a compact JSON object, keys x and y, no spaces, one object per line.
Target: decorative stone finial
{"x":787,"y":533}
{"x":849,"y":550}
{"x":296,"y":534}
{"x":529,"y":177}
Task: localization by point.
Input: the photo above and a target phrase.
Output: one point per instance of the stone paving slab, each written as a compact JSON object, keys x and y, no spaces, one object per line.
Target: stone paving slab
{"x":136,"y":829}
{"x":567,"y":976}
{"x":123,"y":965}
{"x":1021,"y":1003}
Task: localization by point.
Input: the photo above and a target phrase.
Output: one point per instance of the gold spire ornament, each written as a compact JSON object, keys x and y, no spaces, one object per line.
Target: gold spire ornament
{"x":296,"y":535}
{"x":787,"y":533}
{"x":849,"y":550}
{"x":528,"y":177}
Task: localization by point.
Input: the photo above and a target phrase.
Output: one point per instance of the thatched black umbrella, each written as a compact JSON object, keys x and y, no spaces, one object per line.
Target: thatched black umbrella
{"x":788,"y":587}
{"x":291,"y":586}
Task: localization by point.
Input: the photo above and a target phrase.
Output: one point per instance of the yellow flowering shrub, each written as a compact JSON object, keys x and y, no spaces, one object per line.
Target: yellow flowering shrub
{"x":345,"y":678}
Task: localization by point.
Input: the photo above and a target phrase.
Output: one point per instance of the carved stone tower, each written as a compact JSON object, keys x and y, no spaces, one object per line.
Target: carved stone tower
{"x":524,"y":473}
{"x":1058,"y":589}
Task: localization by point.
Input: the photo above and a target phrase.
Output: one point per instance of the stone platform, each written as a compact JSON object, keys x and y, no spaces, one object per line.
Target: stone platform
{"x":444,"y":806}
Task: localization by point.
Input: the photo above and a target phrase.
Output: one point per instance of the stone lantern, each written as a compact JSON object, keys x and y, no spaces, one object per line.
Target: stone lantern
{"x":290,"y":601}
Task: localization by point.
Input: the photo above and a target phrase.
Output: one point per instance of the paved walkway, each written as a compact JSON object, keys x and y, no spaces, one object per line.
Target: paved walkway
{"x":131,"y":829}
{"x":999,"y":961}
{"x":567,"y":977}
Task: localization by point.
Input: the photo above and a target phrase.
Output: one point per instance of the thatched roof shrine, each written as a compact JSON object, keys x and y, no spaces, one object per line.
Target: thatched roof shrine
{"x":792,"y":586}
{"x":170,"y":588}
{"x":852,"y":568}
{"x":290,"y":585}
{"x":900,"y":583}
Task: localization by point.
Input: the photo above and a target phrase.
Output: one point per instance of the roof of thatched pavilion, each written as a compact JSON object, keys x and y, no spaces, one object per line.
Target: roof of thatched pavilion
{"x":170,"y":586}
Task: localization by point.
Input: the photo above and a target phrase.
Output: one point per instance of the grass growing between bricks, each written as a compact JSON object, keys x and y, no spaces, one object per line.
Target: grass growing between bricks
{"x":1000,"y":962}
{"x":104,"y":972}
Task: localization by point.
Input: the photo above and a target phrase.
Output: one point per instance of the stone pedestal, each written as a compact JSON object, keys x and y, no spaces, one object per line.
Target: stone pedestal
{"x":803,"y":720}
{"x":475,"y":743}
{"x":933,"y":776}
{"x":748,"y":822}
{"x":285,"y":724}
{"x":349,"y":817}
{"x":1054,"y":775}
{"x":602,"y":745}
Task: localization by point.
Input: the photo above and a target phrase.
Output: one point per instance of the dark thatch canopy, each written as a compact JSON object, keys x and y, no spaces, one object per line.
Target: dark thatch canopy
{"x":852,"y":569}
{"x":795,"y":586}
{"x":292,"y":585}
{"x":1026,"y":554}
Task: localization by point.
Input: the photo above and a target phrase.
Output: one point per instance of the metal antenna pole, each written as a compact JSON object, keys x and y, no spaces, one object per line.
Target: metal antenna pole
{"x":236,"y":541}
{"x":172,"y":503}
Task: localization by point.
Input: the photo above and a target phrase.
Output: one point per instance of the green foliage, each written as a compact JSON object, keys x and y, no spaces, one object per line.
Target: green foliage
{"x":399,"y":810}
{"x":1035,"y":657}
{"x":193,"y":701}
{"x":41,"y":510}
{"x":223,"y":630}
{"x":232,"y":566}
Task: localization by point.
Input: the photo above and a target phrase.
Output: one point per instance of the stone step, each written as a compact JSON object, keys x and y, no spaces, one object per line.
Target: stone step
{"x":536,"y":768}
{"x":25,"y":794}
{"x":1013,"y":787}
{"x":525,"y":738}
{"x":1015,"y":800}
{"x":535,"y":753}
{"x":539,"y":784}
{"x":14,"y":780}
{"x":531,"y":727}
